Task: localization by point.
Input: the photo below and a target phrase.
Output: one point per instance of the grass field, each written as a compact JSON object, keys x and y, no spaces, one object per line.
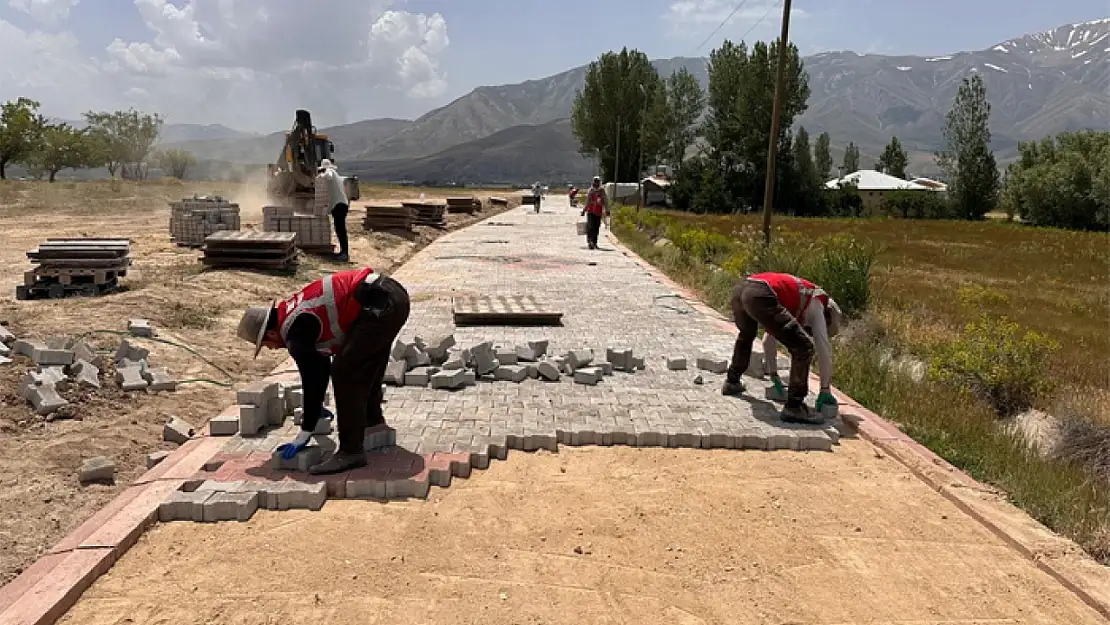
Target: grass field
{"x":938,"y":293}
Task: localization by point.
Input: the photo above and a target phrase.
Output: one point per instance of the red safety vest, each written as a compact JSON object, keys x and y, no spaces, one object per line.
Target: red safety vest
{"x":329,"y":299}
{"x":594,"y":203}
{"x":793,"y":293}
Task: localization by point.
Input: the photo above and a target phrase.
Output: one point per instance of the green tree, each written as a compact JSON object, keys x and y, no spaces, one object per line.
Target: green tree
{"x":124,"y":140}
{"x":967,"y":161}
{"x":807,"y":183}
{"x":1061,"y":182}
{"x":175,"y":162}
{"x":822,"y":157}
{"x":850,"y":164}
{"x":20,"y":131}
{"x":683,"y":105}
{"x":893,"y":160}
{"x":621,"y":94}
{"x":60,"y":146}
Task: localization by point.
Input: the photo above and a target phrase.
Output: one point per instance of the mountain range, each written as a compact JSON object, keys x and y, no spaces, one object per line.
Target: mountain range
{"x":1038,"y":85}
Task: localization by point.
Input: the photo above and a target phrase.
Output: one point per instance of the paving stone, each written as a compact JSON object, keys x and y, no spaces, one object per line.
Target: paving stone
{"x":712,"y":365}
{"x":57,"y":342}
{"x":131,"y":351}
{"x":154,"y":458}
{"x":97,"y":469}
{"x":275,"y":411}
{"x":469,"y":378}
{"x":224,"y":425}
{"x":5,"y":350}
{"x":506,"y":355}
{"x":81,"y":351}
{"x":85,"y":374}
{"x":449,"y":380}
{"x":533,"y":370}
{"x":606,"y":367}
{"x":636,"y":363}
{"x":676,"y":363}
{"x":539,"y":348}
{"x":140,"y":327}
{"x":159,"y":379}
{"x":131,"y":379}
{"x":418,"y":377}
{"x":395,"y":372}
{"x":50,"y":375}
{"x":830,"y":411}
{"x":511,"y":373}
{"x":184,"y":506}
{"x":548,"y":371}
{"x":27,"y":347}
{"x":44,"y":398}
{"x":6,"y":336}
{"x":456,"y":361}
{"x":177,"y":430}
{"x":257,"y":393}
{"x":294,"y":398}
{"x":438,"y":346}
{"x":619,"y":357}
{"x":225,"y":506}
{"x":580,"y":358}
{"x":589,"y":376}
{"x":49,"y":356}
{"x":252,"y":419}
{"x":379,"y":437}
{"x":525,"y":353}
{"x":300,"y":496}
{"x":304,"y":459}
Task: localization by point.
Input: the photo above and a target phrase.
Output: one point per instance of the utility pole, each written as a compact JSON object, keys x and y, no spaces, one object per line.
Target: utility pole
{"x":776,"y":113}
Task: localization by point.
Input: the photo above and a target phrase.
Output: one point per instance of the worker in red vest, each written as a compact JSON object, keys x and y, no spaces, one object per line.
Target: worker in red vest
{"x":597,"y":204}
{"x":339,"y":328}
{"x":801,"y":316}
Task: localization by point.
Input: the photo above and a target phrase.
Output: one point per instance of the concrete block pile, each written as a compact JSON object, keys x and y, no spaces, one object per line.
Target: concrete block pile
{"x":212,"y":502}
{"x":193,"y":219}
{"x":133,"y":371}
{"x":60,"y":362}
{"x":259,"y":406}
{"x":313,"y":231}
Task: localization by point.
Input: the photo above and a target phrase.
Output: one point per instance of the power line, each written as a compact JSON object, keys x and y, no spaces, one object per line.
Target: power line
{"x":721,"y":25}
{"x":772,"y":8}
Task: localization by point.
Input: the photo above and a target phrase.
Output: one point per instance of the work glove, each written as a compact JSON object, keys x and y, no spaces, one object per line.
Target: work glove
{"x":825,"y":398}
{"x":290,"y":450}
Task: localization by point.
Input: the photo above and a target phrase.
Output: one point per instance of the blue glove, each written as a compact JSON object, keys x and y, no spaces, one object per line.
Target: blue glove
{"x":825,"y":398}
{"x":289,"y":450}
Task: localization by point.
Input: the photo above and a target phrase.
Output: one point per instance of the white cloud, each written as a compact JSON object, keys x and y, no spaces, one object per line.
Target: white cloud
{"x":695,"y":19}
{"x":46,"y":11}
{"x":240,"y":62}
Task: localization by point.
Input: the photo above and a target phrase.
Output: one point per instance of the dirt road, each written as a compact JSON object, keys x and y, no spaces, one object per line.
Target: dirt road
{"x":39,"y":493}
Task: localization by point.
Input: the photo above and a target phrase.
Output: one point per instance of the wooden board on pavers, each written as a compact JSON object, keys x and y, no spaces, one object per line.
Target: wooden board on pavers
{"x":249,"y":262}
{"x":503,"y":310}
{"x":248,"y":238}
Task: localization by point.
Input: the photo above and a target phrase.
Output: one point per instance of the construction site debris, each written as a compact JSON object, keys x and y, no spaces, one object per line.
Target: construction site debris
{"x":97,"y":469}
{"x":66,"y":266}
{"x":250,"y":249}
{"x":312,"y":232}
{"x":712,"y":364}
{"x":193,"y":219}
{"x":140,"y":327}
{"x":177,"y":430}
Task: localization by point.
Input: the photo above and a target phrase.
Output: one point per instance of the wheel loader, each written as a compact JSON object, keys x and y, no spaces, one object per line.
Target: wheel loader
{"x":292,"y":179}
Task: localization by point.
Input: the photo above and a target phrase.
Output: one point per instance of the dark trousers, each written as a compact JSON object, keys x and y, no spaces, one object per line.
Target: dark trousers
{"x":536,"y":201}
{"x":593,"y":228}
{"x":358,"y":369}
{"x":754,"y":304}
{"x":339,"y":217}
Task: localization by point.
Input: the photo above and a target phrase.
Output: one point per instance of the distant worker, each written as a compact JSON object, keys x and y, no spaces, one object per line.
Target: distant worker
{"x":801,"y":316}
{"x":597,"y":204}
{"x":573,"y":197}
{"x":353,"y":316}
{"x":337,"y":199}
{"x":537,"y":192}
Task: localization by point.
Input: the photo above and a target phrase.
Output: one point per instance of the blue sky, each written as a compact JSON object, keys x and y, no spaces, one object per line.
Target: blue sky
{"x":246,"y":63}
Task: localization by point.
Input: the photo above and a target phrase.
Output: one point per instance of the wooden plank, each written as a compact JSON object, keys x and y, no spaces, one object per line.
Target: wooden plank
{"x":83,"y":263}
{"x":62,"y":254}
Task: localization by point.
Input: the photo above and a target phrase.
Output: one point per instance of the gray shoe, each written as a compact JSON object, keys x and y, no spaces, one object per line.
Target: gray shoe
{"x":733,"y":389}
{"x":339,"y":462}
{"x":800,"y":413}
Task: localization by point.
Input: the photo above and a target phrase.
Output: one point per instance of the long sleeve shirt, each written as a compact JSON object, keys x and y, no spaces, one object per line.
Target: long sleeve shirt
{"x":333,"y":182}
{"x":314,"y":367}
{"x":815,"y":321}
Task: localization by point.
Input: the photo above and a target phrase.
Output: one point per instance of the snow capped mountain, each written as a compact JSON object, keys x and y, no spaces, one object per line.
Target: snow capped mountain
{"x":1084,"y":42}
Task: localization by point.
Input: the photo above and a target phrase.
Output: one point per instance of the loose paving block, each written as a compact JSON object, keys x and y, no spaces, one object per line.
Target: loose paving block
{"x":6,"y":336}
{"x":589,"y":376}
{"x":399,"y":349}
{"x":304,"y":459}
{"x":636,"y":363}
{"x":539,"y":348}
{"x":395,"y":372}
{"x":97,"y":469}
{"x":275,"y":410}
{"x":438,"y":346}
{"x":533,"y":370}
{"x":85,"y":373}
{"x":712,"y":365}
{"x":131,"y":379}
{"x":619,"y":357}
{"x":252,"y":419}
{"x":51,"y":375}
{"x":159,"y":379}
{"x":449,"y":380}
{"x":140,"y":327}
{"x":5,"y":350}
{"x":129,"y":350}
{"x":154,"y":458}
{"x":455,"y":361}
{"x":230,"y":506}
{"x":580,"y":358}
{"x":548,"y":371}
{"x":81,"y":351}
{"x":257,"y":393}
{"x":606,"y":368}
{"x":676,"y":363}
{"x":57,"y":342}
{"x":830,"y":411}
{"x":177,"y":430}
{"x":300,"y":496}
{"x":506,"y":356}
{"x":418,"y":377}
{"x":184,"y":506}
{"x":223,"y":425}
{"x":45,"y":399}
{"x":125,"y":363}
{"x":469,"y":378}
{"x":51,"y":356}
{"x":485,"y":361}
{"x":525,"y":353}
{"x":294,"y":398}
{"x":511,"y":373}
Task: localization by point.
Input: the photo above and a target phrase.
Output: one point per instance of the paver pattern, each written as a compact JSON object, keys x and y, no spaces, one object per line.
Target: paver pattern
{"x":608,"y":300}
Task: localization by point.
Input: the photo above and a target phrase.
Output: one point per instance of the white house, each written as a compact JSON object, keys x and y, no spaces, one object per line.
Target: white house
{"x":874,"y":185}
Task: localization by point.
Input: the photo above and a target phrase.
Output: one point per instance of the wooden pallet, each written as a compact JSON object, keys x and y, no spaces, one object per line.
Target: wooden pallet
{"x":517,"y":310}
{"x":58,"y":290}
{"x":250,"y":248}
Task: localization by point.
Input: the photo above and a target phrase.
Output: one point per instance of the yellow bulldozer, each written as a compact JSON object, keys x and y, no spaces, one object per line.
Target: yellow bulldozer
{"x":292,"y":179}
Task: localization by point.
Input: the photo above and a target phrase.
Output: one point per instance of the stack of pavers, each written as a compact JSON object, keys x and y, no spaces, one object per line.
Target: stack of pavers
{"x":193,"y":219}
{"x":498,"y":201}
{"x":385,"y":217}
{"x":133,"y":370}
{"x":313,"y":232}
{"x":59,"y":361}
{"x":88,"y":266}
{"x":257,"y":250}
{"x":467,"y":205}
{"x":425,"y":213}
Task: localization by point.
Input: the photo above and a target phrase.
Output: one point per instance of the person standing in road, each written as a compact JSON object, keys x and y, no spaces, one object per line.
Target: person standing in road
{"x":597,"y":205}
{"x":800,"y":315}
{"x":537,"y":194}
{"x":339,"y":328}
{"x":337,"y":199}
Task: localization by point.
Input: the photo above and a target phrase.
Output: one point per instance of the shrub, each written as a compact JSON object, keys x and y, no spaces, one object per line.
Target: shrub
{"x":915,"y":205}
{"x":701,"y":245}
{"x":995,"y":361}
{"x":841,"y":265}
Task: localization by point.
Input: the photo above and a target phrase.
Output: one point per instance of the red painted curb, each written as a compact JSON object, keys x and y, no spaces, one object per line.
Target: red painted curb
{"x":896,"y":443}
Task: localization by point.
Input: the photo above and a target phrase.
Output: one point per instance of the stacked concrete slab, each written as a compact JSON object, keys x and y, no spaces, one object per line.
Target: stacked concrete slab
{"x":193,"y":219}
{"x":427,"y":213}
{"x":80,"y":265}
{"x":313,"y":232}
{"x":463,"y":205}
{"x":256,"y":250}
{"x":387,"y":218}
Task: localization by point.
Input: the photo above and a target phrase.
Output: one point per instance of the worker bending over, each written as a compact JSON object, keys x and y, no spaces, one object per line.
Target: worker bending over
{"x":353,"y":316}
{"x":597,"y":204}
{"x":800,"y":315}
{"x":337,"y":201}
